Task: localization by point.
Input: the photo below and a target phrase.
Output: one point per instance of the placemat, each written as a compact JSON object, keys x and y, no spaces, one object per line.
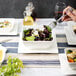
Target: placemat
{"x":43,"y":60}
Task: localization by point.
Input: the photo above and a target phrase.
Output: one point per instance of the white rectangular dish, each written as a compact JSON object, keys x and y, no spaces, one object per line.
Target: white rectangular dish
{"x":70,"y":35}
{"x":65,"y":67}
{"x":33,"y":45}
{"x":6,"y":24}
{"x":41,"y":46}
{"x":9,"y":31}
{"x":70,"y":55}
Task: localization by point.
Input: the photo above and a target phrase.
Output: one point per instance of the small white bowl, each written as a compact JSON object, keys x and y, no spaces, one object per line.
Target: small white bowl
{"x":4,"y":52}
{"x":36,"y":44}
{"x":71,"y":64}
{"x":9,"y":28}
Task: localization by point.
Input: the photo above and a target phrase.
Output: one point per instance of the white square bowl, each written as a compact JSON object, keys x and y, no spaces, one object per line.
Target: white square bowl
{"x":71,"y":64}
{"x":36,"y":44}
{"x":70,"y":35}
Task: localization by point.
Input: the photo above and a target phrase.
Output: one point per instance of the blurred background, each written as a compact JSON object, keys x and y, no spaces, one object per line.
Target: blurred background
{"x":43,"y":8}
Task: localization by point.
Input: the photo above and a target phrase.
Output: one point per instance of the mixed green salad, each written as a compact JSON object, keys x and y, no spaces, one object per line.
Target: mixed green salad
{"x":71,"y":55}
{"x":37,"y":34}
{"x":12,"y":68}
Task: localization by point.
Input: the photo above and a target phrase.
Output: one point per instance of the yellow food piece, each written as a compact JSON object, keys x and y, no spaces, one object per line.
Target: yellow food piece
{"x":1,"y":55}
{"x":28,"y":20}
{"x":74,"y":27}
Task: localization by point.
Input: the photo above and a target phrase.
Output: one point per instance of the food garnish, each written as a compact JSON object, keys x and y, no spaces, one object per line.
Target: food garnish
{"x":12,"y":68}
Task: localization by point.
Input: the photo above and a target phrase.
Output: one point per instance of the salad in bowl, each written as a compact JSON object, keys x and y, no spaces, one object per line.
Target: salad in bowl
{"x":37,"y":37}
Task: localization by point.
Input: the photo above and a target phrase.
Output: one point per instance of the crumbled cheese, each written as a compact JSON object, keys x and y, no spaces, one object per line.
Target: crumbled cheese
{"x":35,"y":33}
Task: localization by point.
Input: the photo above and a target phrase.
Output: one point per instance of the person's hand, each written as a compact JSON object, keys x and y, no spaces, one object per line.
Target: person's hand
{"x":71,"y":14}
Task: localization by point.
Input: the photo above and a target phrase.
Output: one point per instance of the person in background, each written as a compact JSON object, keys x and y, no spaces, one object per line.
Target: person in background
{"x":70,"y":14}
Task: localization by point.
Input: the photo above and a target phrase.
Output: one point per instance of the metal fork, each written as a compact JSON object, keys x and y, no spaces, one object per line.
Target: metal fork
{"x":54,"y":23}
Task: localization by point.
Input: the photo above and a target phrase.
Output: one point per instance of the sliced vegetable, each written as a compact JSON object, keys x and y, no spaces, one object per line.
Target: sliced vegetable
{"x":30,"y":38}
{"x":70,"y":60}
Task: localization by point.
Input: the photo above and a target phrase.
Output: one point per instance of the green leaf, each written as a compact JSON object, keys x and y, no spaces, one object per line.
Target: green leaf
{"x":26,"y":32}
{"x":48,"y":28}
{"x":30,"y":38}
{"x":50,"y":35}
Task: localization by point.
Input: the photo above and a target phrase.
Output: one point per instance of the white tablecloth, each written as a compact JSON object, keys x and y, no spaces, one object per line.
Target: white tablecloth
{"x":53,"y":70}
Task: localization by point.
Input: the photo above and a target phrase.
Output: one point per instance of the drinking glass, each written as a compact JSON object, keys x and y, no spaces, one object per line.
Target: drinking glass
{"x":59,"y":7}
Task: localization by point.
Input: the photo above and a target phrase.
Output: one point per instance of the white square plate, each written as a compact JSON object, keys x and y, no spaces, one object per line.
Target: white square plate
{"x":52,"y":49}
{"x":41,"y":72}
{"x":66,"y":69}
